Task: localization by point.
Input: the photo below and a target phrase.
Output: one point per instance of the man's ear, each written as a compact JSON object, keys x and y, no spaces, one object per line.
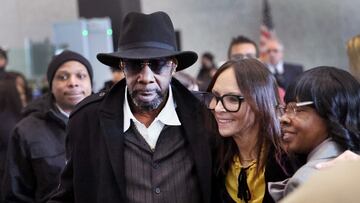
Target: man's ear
{"x":175,"y":64}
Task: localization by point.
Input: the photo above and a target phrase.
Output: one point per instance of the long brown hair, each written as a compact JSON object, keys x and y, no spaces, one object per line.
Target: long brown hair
{"x":9,"y":97}
{"x":260,"y":90}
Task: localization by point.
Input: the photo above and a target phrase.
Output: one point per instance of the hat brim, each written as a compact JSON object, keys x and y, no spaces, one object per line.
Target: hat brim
{"x":185,"y":58}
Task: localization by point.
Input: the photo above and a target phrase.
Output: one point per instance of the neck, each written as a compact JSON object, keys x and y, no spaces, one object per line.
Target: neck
{"x":63,"y":110}
{"x":246,"y":143}
{"x":146,"y":117}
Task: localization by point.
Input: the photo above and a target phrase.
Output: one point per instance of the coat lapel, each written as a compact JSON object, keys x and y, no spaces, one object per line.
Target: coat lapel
{"x":111,"y":120}
{"x":189,"y":111}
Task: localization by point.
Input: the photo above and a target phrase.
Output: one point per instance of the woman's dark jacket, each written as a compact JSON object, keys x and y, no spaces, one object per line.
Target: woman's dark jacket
{"x":36,"y":153}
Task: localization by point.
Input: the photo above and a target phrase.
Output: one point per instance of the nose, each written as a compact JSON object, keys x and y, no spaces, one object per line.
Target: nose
{"x":285,"y":120}
{"x":73,"y":81}
{"x":146,"y":75}
{"x":219,"y":107}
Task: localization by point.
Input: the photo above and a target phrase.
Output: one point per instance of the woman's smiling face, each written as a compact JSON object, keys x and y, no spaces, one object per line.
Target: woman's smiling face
{"x":231,"y":123}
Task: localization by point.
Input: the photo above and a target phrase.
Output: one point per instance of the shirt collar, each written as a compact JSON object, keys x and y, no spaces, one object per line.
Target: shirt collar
{"x":62,"y":111}
{"x":167,"y":115}
{"x":279,"y":67}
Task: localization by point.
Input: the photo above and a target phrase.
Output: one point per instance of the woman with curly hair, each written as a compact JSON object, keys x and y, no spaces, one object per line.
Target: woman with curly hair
{"x":321,"y":120}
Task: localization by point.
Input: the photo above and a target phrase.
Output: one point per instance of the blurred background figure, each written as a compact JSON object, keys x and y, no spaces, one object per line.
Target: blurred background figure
{"x":22,"y":87}
{"x":207,"y":71}
{"x":187,"y":80}
{"x":117,"y":75}
{"x":242,"y":47}
{"x":10,"y":108}
{"x":3,"y":63}
{"x":353,"y":52}
{"x":284,"y":72}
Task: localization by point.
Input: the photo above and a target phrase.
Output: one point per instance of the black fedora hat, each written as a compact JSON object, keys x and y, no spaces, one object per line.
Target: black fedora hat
{"x":148,"y":37}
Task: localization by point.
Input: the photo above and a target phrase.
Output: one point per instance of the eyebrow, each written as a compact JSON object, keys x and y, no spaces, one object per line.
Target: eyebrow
{"x":67,"y":72}
{"x":227,"y":93}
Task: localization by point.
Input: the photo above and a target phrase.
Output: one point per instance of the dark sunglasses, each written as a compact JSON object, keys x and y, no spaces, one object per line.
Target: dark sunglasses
{"x":157,"y":66}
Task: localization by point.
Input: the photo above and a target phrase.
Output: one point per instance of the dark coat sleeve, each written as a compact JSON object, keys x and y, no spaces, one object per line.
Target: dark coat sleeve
{"x":65,"y":190}
{"x":18,"y":180}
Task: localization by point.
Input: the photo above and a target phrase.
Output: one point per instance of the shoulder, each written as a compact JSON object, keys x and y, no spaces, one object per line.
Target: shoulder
{"x":293,"y":66}
{"x":92,"y":100}
{"x":303,"y":174}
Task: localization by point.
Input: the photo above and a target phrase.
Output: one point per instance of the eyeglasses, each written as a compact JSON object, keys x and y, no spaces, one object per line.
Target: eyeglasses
{"x":157,"y":66}
{"x":273,"y":50}
{"x":292,"y":108}
{"x":242,"y":56}
{"x":231,"y":103}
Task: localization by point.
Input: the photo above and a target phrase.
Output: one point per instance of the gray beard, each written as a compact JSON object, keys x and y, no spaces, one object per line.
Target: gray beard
{"x":147,"y":106}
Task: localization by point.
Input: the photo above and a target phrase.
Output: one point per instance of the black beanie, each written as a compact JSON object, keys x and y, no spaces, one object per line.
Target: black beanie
{"x":64,"y":57}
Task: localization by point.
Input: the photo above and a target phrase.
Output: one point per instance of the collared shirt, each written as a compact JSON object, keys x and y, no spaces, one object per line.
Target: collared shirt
{"x":167,"y":116}
{"x":62,"y":111}
{"x":256,"y":182}
{"x":279,"y":68}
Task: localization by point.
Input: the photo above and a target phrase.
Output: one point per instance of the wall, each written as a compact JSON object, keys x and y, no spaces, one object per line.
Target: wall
{"x":313,"y":32}
{"x":32,"y":20}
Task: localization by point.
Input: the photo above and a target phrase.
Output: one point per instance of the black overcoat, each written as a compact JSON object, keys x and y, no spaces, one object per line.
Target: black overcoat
{"x":95,"y":145}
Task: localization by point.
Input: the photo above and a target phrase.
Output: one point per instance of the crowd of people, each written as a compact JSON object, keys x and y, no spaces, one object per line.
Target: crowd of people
{"x":249,"y":131}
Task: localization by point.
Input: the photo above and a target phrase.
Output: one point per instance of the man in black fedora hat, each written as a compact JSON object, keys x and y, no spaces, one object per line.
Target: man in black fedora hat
{"x":147,"y":139}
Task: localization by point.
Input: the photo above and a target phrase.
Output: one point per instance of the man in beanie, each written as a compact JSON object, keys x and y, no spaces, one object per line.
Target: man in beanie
{"x":36,"y":151}
{"x":145,"y":140}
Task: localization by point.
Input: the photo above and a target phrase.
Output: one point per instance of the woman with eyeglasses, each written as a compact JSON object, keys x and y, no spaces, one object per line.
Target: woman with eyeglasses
{"x":321,"y":120}
{"x":243,"y":98}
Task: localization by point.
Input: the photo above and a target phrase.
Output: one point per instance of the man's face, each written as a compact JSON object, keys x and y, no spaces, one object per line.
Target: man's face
{"x":275,"y":52}
{"x":70,"y":85}
{"x":148,"y":81}
{"x":243,"y":50}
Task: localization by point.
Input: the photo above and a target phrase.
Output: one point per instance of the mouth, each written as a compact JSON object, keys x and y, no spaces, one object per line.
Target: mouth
{"x":288,"y":136}
{"x":146,"y":95}
{"x":74,"y":95}
{"x":223,"y":121}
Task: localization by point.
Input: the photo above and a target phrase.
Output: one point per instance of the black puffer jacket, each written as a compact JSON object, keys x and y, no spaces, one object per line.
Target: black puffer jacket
{"x":36,"y":153}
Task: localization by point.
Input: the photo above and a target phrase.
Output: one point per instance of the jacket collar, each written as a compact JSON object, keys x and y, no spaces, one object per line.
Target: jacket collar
{"x":327,"y":149}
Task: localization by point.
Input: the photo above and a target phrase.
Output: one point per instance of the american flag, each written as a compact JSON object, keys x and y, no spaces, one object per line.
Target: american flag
{"x":267,"y":31}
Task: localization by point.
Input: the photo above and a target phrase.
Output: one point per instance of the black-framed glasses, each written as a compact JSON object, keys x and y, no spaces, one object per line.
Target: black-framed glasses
{"x":291,"y":108}
{"x":157,"y":66}
{"x":230,"y":102}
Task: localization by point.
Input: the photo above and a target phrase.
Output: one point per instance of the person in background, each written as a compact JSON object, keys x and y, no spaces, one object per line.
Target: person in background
{"x":284,"y":72}
{"x":187,"y":80}
{"x":321,"y":120}
{"x":243,"y":98}
{"x":22,"y":87}
{"x":145,"y":140}
{"x":353,"y":53}
{"x":117,"y":75}
{"x":3,"y":63}
{"x":36,"y":151}
{"x":242,"y":47}
{"x":10,"y":113}
{"x":207,"y":71}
